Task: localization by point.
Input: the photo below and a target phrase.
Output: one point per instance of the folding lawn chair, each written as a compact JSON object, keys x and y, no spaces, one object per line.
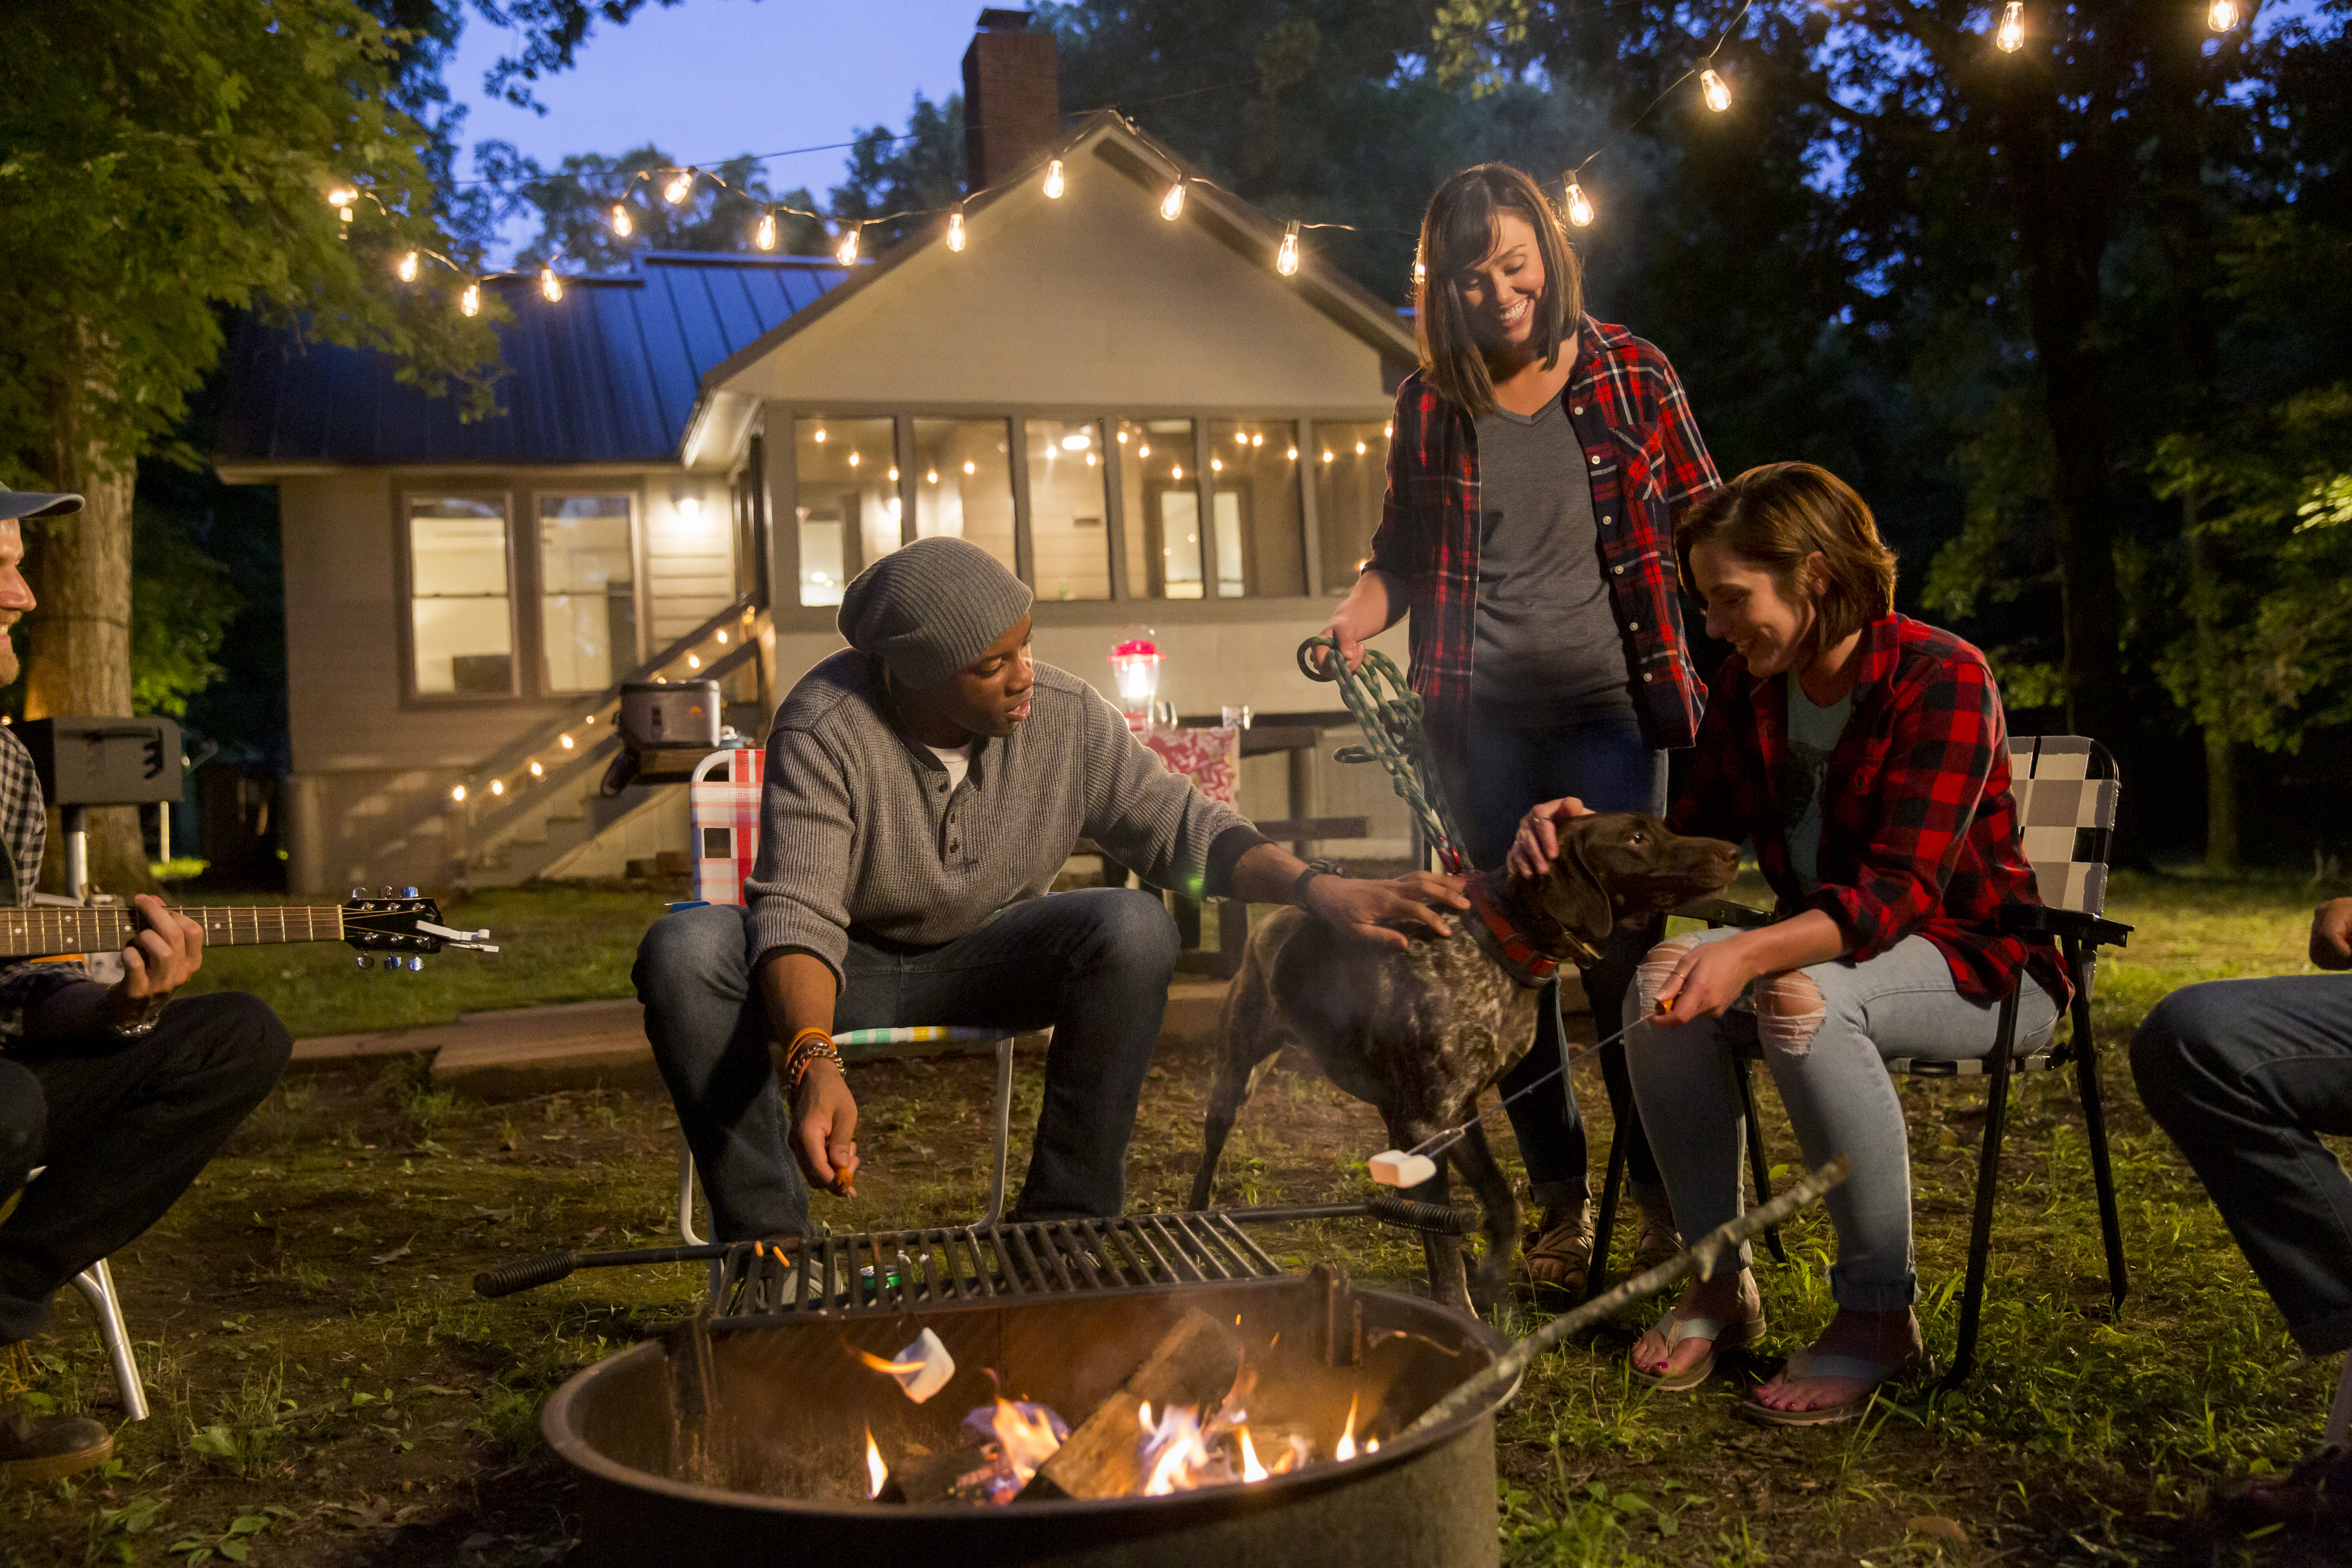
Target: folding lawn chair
{"x":96,"y":1284}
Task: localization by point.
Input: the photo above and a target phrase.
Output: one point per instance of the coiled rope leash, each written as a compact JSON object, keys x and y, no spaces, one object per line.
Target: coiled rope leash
{"x":1388,"y":713}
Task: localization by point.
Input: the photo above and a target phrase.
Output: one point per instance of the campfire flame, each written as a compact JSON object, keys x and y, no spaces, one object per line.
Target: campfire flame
{"x":1026,"y":1437}
{"x":1251,"y":1469}
{"x":1346,"y":1448}
{"x":876,"y":1471}
{"x":894,"y":1368}
{"x":1176,"y":1458}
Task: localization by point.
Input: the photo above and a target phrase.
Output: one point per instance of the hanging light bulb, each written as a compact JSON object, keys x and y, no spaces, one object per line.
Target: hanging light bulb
{"x":680,"y":186}
{"x":469,"y":302}
{"x":550,"y":284}
{"x":1580,"y":210}
{"x":1717,"y":91}
{"x":956,"y":240}
{"x":764,"y":236}
{"x":1172,"y":206}
{"x":341,"y":197}
{"x":622,"y":225}
{"x":407,"y":268}
{"x":1285,"y":260}
{"x":1053,"y":179}
{"x":2221,"y":16}
{"x":846,"y":252}
{"x":1419,"y":272}
{"x":2011,"y":37}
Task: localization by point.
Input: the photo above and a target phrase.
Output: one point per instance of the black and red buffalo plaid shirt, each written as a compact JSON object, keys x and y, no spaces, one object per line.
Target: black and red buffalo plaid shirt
{"x":1918,"y":827}
{"x":1647,"y":464}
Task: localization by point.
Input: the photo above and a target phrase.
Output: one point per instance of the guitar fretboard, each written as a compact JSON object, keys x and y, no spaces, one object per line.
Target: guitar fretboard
{"x":47,"y":929}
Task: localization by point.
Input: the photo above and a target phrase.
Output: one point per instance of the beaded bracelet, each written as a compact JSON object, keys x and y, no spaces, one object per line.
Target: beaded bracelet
{"x":808,"y":1046}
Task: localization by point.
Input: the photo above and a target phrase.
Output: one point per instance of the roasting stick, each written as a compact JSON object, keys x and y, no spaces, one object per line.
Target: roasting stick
{"x":1701,"y":1256}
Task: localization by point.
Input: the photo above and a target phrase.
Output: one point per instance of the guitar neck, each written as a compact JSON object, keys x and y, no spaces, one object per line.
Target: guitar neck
{"x":47,"y":929}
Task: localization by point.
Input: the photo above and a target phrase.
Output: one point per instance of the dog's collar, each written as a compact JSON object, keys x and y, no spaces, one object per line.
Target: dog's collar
{"x":1502,"y":942}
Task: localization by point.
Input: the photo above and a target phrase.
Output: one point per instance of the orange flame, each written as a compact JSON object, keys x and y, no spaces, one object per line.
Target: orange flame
{"x":876,"y":1471}
{"x":1251,"y":1469}
{"x":894,"y":1368}
{"x":1176,"y":1452}
{"x":1024,"y":1435}
{"x":1346,"y":1448}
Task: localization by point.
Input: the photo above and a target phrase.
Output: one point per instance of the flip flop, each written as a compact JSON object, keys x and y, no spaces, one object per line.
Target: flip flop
{"x":1805,"y":1363}
{"x":1722,"y":1336}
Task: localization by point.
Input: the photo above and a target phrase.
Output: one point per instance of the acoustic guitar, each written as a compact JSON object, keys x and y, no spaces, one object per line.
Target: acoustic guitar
{"x":402,"y":927}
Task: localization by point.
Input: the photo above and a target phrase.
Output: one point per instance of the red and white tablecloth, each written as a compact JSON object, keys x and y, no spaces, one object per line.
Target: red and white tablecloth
{"x":1212,"y":759}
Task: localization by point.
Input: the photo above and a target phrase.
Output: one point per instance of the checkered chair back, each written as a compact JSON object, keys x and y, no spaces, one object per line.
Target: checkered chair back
{"x":2065,"y":788}
{"x":722,"y":802}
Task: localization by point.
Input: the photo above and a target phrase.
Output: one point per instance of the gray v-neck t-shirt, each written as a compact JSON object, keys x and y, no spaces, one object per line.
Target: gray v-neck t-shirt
{"x":1548,"y":649}
{"x":1814,"y":731}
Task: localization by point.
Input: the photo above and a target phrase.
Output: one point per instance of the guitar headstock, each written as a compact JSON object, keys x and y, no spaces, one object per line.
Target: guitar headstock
{"x":404,"y":927}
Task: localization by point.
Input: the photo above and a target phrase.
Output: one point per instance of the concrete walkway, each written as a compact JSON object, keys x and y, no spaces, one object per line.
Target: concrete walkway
{"x":524,"y":1051}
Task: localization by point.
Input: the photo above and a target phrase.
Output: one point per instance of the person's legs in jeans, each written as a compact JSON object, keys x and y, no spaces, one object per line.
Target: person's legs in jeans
{"x":129,"y":1124}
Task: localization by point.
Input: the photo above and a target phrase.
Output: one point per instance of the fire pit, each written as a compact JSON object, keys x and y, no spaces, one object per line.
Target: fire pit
{"x":745,"y":1438}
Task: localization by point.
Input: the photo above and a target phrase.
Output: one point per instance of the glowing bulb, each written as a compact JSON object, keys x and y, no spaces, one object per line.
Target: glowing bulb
{"x":1717,"y":91}
{"x":853,"y":459}
{"x":407,"y":268}
{"x":1122,"y":437}
{"x":567,"y":741}
{"x":469,"y":302}
{"x":722,"y":640}
{"x":1176,"y":472}
{"x":1216,"y":465}
{"x":498,"y":786}
{"x":1360,"y":448}
{"x":1388,"y":431}
{"x":1293,"y":454}
{"x":1144,"y":450}
{"x":680,"y":186}
{"x":458,"y":793}
{"x":846,"y":252}
{"x":1172,"y":206}
{"x":622,"y":225}
{"x":956,"y":240}
{"x":969,"y":467}
{"x":536,"y":771}
{"x":1242,"y":436}
{"x":341,"y":197}
{"x":690,"y":507}
{"x":1258,"y":440}
{"x":1285,"y":260}
{"x":1054,"y":185}
{"x":2222,"y":15}
{"x":931,"y":478}
{"x":693,"y":661}
{"x":1326,"y":455}
{"x":820,"y":434}
{"x":1580,"y":210}
{"x":550,"y":284}
{"x":1077,"y":441}
{"x":2011,"y":37}
{"x":1090,"y":460}
{"x":894,"y":473}
{"x":764,"y":236}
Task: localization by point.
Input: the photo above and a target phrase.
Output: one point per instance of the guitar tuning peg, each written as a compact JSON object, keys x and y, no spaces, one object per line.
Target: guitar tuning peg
{"x":415,"y":964}
{"x":359,"y":892}
{"x":408,"y":892}
{"x":366,"y":963}
{"x":387,"y":890}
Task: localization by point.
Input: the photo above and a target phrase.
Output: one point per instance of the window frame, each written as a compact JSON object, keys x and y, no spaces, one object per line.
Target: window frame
{"x":640,"y":562}
{"x":405,"y":611}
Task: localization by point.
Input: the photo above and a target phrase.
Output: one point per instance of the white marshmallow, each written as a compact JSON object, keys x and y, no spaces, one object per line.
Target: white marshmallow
{"x":937,"y":1368}
{"x":1395,"y":1168}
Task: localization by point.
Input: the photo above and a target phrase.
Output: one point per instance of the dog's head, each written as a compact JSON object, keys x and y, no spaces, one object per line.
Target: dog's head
{"x":1617,"y":868}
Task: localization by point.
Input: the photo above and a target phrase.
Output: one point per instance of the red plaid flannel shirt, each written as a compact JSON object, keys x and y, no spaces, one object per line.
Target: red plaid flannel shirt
{"x":1918,"y":827}
{"x":1647,"y":464}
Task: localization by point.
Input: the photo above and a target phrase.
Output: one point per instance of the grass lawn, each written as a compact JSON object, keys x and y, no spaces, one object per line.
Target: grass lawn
{"x":328,"y":1390}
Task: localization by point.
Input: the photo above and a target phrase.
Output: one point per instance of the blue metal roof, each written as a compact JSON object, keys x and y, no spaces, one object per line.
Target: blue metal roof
{"x":607,"y":374}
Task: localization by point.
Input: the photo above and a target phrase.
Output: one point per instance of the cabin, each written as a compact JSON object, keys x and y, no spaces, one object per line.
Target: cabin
{"x":1144,"y":417}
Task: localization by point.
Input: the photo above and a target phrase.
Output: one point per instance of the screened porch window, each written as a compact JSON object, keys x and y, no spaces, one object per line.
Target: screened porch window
{"x":848,"y":507}
{"x":1162,"y":503}
{"x":1067,"y":504}
{"x":1254,"y":476}
{"x":1351,"y":479}
{"x":461,"y":610}
{"x":964,"y":483}
{"x":588,"y":599}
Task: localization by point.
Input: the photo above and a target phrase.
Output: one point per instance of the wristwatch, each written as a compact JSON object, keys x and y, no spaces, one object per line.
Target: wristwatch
{"x":1314,"y":868}
{"x":139,"y":1029}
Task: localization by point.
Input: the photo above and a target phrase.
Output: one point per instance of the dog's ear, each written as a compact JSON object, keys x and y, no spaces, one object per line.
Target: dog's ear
{"x":1572,"y":893}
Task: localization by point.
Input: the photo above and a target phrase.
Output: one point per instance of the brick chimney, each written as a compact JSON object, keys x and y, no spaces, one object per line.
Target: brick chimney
{"x":1012,"y":97}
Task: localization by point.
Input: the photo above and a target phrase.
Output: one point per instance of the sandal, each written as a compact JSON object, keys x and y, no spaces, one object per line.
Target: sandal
{"x":1657,"y":1240}
{"x":1723,"y":1337}
{"x":1871,"y":1373}
{"x":1564,"y":1237}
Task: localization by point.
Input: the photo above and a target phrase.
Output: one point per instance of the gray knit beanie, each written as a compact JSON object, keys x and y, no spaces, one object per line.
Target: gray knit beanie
{"x":928,"y":609}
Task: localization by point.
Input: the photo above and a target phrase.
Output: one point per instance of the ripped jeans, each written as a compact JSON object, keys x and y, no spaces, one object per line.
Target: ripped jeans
{"x":1827,"y":1031}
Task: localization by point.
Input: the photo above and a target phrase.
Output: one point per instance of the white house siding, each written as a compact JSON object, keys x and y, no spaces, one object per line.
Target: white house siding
{"x":689,"y":560}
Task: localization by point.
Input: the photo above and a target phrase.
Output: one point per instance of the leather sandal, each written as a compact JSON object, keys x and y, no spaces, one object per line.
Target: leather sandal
{"x":1657,"y":1240}
{"x":1564,"y":1236}
{"x":1722,"y":1336}
{"x":1869,"y":1372}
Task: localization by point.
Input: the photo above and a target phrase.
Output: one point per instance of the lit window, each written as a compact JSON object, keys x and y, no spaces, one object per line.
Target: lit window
{"x":461,"y":613}
{"x":588,"y":599}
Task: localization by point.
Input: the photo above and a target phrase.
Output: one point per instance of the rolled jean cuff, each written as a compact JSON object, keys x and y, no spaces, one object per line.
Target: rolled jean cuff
{"x":2323,"y":1336}
{"x":1575,"y":1191}
{"x":1741,"y":1264}
{"x":1872,"y":1295}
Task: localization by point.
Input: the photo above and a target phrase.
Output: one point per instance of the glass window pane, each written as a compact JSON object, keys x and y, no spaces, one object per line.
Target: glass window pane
{"x":588,"y":602}
{"x":1066,"y":507}
{"x":963,"y":482}
{"x":1162,"y":507}
{"x":462,"y":624}
{"x":1254,"y":471}
{"x":848,"y":506}
{"x":1351,"y":479}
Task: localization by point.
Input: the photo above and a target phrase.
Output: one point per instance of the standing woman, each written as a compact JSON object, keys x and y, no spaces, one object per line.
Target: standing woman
{"x":1540,"y":460}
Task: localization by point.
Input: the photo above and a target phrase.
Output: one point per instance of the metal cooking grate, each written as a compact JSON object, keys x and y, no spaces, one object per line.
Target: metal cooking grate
{"x":892,"y":1270}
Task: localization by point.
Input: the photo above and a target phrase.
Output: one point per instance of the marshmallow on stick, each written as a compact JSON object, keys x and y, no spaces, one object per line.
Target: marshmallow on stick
{"x":922,"y":1369}
{"x":1395,"y":1168}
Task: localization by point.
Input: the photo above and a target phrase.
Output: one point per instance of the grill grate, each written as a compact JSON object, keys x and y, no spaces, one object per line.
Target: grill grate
{"x":893,"y":1270}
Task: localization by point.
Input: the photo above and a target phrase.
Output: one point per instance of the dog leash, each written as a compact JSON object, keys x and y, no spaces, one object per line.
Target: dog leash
{"x":1438,"y":1142}
{"x":1388,"y":713}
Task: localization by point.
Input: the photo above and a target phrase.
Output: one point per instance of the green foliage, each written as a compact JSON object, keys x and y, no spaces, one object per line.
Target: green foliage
{"x":575,"y":204}
{"x":914,"y":174}
{"x":182,"y":601}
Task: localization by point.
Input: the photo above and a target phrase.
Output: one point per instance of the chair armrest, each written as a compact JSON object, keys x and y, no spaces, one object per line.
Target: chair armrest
{"x":1724,"y":913}
{"x":2036,"y":919}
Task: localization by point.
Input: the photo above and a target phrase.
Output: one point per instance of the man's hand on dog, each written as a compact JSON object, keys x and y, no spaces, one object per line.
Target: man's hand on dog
{"x":1536,"y":843}
{"x":825,"y":1130}
{"x":1373,"y":910}
{"x":2331,"y":934}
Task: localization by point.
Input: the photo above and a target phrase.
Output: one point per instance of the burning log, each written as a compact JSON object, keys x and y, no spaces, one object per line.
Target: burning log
{"x":1194,"y":1365}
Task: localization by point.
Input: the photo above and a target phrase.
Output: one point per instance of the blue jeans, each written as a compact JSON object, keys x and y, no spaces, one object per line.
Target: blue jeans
{"x":2244,"y":1075}
{"x":1093,"y":964}
{"x":1609,"y":765}
{"x":1838,"y":1095}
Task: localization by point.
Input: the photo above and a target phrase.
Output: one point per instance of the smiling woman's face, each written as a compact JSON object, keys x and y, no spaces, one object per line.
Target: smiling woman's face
{"x":1501,"y":291}
{"x":1745,"y":607}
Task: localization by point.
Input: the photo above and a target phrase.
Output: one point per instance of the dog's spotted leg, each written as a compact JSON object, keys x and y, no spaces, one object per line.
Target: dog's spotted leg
{"x":1449,"y":1282}
{"x":1499,"y":1213}
{"x":1789,"y":1012}
{"x":1250,"y":1035}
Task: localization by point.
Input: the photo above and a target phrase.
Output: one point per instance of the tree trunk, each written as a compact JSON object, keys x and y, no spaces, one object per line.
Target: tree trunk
{"x":2220,"y":804}
{"x":77,"y":652}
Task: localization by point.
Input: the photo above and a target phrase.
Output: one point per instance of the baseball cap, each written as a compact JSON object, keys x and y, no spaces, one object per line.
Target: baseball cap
{"x":36,"y":503}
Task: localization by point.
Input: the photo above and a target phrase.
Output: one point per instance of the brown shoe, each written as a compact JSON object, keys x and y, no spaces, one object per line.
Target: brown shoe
{"x":42,"y":1448}
{"x":1657,"y":1240}
{"x":2316,"y":1493}
{"x":1559,"y":1249}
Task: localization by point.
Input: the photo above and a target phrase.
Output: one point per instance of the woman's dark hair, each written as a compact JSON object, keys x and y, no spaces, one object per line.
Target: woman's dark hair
{"x":1458,"y":231}
{"x":1778,"y":515}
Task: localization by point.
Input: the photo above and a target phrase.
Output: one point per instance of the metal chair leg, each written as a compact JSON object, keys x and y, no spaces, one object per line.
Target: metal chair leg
{"x":1759,"y":1168}
{"x":686,"y":1211}
{"x":995,"y":1210}
{"x":1596,"y":1274}
{"x":97,"y":1285}
{"x":2095,"y":1122}
{"x":1988,"y":1180}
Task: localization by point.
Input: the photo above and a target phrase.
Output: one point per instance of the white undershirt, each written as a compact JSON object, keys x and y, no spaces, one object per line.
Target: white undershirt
{"x":957,"y":759}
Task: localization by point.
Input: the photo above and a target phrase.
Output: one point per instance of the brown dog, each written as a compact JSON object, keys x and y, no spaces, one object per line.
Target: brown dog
{"x":1419,"y":1034}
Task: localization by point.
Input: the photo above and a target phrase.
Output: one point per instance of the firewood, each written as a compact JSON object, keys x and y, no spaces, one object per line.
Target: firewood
{"x":1194,"y":1365}
{"x":932,"y":1477}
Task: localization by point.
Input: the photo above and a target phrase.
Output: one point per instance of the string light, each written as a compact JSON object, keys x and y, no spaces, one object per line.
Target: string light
{"x":1172,"y":206}
{"x":1285,"y":260}
{"x":458,"y":795}
{"x":1054,"y":185}
{"x":1717,"y":92}
{"x":1580,"y":210}
{"x":2221,"y":16}
{"x":550,"y":284}
{"x":498,"y":786}
{"x":956,"y":240}
{"x":567,"y":741}
{"x":536,"y":771}
{"x":764,"y":236}
{"x":407,"y":268}
{"x":2011,"y":37}
{"x":680,"y":186}
{"x":846,"y":252}
{"x":622,"y":225}
{"x":469,"y":302}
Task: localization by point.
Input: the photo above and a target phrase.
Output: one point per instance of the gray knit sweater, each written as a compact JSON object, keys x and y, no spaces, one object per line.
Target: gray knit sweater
{"x":858,"y":831}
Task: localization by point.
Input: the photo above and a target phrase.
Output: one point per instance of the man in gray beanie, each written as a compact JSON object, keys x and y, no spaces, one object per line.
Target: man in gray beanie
{"x":924,"y":786}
